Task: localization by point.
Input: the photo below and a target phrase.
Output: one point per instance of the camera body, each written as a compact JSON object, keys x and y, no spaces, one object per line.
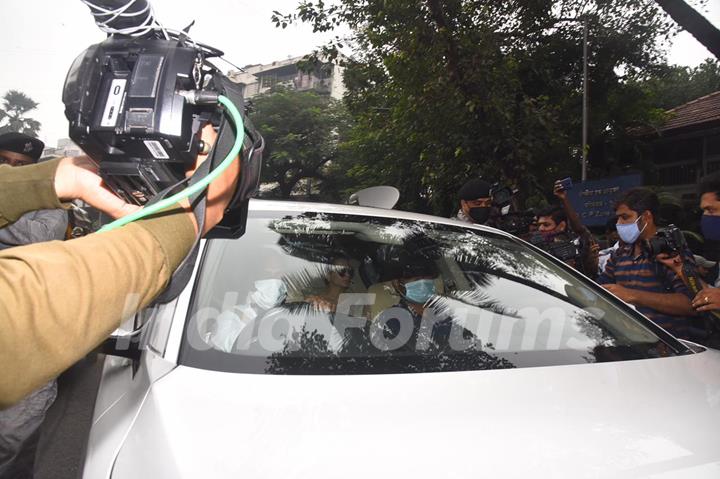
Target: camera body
{"x":124,"y":111}
{"x":668,"y":240}
{"x":565,"y":250}
{"x":516,"y":223}
{"x":501,"y":195}
{"x":136,"y":107}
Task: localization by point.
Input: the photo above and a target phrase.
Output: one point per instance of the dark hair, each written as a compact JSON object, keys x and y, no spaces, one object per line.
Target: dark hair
{"x":555,"y":212}
{"x":640,"y":200}
{"x":710,"y":184}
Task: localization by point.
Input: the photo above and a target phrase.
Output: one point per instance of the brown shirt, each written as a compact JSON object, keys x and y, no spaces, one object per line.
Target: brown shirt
{"x":59,"y":300}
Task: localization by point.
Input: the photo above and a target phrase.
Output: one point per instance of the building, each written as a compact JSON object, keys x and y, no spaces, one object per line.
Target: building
{"x":65,"y":147}
{"x":258,"y":79}
{"x":686,"y":147}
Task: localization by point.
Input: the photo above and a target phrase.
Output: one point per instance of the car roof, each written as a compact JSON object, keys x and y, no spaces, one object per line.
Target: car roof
{"x":302,"y":206}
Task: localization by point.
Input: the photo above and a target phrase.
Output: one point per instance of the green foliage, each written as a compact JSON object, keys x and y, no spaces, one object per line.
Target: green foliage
{"x":302,"y":131}
{"x":15,"y":106}
{"x":441,"y":91}
{"x":671,"y":86}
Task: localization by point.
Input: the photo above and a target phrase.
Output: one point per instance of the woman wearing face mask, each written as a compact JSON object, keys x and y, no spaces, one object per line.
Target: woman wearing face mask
{"x":636,"y":277}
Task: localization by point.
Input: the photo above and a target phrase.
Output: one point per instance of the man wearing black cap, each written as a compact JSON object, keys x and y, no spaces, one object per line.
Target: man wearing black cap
{"x":17,"y":149}
{"x":20,"y":425}
{"x":475,"y":202}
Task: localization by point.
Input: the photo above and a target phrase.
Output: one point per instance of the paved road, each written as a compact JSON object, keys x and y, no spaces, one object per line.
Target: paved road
{"x":64,"y":434}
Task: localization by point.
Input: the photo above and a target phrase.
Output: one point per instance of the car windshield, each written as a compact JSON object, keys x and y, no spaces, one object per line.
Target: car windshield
{"x":317,"y":293}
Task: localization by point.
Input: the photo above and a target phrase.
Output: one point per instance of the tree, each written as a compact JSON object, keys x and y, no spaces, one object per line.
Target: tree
{"x":441,"y":91}
{"x":15,"y":106}
{"x":694,"y":23}
{"x":302,"y":131}
{"x":671,"y":86}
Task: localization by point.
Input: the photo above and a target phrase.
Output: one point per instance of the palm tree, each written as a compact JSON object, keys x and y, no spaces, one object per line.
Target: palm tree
{"x":15,"y":105}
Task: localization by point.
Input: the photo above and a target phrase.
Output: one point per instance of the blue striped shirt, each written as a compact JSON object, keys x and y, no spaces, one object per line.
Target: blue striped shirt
{"x":643,"y":273}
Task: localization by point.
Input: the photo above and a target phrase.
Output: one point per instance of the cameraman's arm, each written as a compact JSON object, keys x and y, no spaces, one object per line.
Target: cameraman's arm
{"x":574,"y":220}
{"x":590,"y":254}
{"x":35,"y":187}
{"x":674,"y":304}
{"x":61,"y":299}
{"x":27,"y":188}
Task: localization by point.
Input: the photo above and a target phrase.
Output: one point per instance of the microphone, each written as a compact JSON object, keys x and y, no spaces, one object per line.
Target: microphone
{"x":132,"y":18}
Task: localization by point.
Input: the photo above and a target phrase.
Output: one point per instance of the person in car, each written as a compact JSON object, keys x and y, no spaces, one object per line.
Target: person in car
{"x":414,"y":317}
{"x":337,"y":279}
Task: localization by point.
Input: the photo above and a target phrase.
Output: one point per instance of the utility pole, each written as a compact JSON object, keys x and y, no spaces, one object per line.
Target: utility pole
{"x":585,"y":101}
{"x":586,"y":95}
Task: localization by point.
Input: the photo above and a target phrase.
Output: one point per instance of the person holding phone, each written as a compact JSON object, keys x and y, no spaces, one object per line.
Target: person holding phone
{"x":565,"y":220}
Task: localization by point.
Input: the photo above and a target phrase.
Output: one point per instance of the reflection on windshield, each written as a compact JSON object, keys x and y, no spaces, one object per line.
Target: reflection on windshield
{"x":340,"y":294}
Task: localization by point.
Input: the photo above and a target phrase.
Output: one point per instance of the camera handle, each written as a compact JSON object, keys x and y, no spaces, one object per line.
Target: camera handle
{"x":712,"y":318}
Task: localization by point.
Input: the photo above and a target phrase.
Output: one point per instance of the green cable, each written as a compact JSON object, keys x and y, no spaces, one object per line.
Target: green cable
{"x":200,"y":185}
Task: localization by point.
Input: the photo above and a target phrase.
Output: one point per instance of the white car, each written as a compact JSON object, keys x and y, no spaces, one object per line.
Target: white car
{"x":345,"y":342}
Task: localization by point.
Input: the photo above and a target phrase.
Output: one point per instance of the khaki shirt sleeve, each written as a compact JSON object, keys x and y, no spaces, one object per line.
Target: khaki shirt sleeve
{"x":59,"y":300}
{"x":27,"y":188}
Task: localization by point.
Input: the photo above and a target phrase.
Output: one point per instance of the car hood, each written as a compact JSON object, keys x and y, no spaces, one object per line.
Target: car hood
{"x":649,"y":418}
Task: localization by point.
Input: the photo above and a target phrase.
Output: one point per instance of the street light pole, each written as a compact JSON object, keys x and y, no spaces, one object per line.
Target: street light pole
{"x":585,"y":101}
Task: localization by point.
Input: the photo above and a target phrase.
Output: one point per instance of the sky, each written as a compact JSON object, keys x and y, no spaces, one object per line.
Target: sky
{"x":40,"y":39}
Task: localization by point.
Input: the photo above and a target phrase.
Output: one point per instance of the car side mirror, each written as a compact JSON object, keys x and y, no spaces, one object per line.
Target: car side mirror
{"x":124,"y":345}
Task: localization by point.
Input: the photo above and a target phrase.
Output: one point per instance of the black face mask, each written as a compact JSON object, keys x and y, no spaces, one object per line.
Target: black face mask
{"x":712,"y":275}
{"x":711,"y":250}
{"x":480,"y":214}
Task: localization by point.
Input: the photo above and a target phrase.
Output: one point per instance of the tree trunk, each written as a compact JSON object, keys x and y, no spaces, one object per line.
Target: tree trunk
{"x":694,"y":23}
{"x":285,"y":190}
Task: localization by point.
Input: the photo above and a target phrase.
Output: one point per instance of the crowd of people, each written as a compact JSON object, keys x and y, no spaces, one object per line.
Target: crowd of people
{"x":674,"y":287}
{"x":49,"y":297}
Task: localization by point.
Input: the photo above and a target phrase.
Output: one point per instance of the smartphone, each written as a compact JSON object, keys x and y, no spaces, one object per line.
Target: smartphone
{"x":566,"y":184}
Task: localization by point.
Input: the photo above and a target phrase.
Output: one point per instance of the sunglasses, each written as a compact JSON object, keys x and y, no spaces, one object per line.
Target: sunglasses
{"x":344,"y":271}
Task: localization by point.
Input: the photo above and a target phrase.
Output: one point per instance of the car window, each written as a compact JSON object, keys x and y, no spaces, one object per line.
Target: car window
{"x":317,"y":293}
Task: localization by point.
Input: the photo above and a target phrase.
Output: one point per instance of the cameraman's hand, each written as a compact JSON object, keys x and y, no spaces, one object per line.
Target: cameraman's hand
{"x":220,"y":191}
{"x":77,"y":178}
{"x":559,"y":191}
{"x":626,"y":294}
{"x":673,"y":263}
{"x":708,"y":299}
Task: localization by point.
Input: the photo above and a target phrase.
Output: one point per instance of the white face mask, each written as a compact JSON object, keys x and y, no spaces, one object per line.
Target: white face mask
{"x":630,"y":233}
{"x":269,"y":293}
